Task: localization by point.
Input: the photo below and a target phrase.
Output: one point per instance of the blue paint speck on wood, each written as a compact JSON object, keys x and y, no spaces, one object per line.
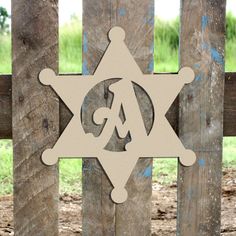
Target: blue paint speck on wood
{"x":148,"y":172}
{"x":122,"y":11}
{"x":190,"y":192}
{"x":85,"y":70}
{"x":198,"y":77}
{"x":150,"y":20}
{"x":85,"y":43}
{"x":87,"y":166}
{"x":151,"y":66}
{"x":150,"y":16}
{"x":204,"y":22}
{"x":216,"y":56}
{"x":152,"y":47}
{"x":205,"y":46}
{"x":201,"y":162}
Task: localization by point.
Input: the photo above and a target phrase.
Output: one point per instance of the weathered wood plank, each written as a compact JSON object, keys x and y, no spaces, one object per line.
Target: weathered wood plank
{"x":98,"y":211}
{"x":100,"y":215}
{"x":201,"y":116}
{"x":35,"y":117}
{"x":5,"y":107}
{"x":136,"y":17}
{"x":172,"y":115}
{"x":229,"y":127}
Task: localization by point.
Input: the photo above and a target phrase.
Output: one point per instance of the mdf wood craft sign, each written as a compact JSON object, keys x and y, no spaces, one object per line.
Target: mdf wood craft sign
{"x":159,"y":140}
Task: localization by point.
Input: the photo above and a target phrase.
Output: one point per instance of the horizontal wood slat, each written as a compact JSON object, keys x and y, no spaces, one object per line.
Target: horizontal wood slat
{"x":230,"y":105}
{"x":172,"y":115}
{"x":5,"y":107}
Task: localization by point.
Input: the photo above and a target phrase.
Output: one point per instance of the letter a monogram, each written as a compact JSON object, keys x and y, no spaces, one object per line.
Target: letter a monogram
{"x":117,"y":62}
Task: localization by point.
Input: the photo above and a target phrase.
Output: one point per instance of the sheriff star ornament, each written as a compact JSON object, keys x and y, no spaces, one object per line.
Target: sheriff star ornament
{"x":160,"y":141}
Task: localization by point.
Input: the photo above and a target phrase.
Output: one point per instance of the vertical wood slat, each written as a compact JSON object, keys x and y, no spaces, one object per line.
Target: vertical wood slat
{"x":133,"y":217}
{"x":201,"y":116}
{"x":100,"y":215}
{"x":35,"y":116}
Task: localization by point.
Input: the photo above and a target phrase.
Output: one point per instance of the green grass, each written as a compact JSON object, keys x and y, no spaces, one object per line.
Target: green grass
{"x":166,"y":58}
{"x":229,"y":152}
{"x":70,"y":175}
{"x":5,"y":54}
{"x":5,"y":167}
{"x":70,"y":60}
{"x":70,"y":47}
{"x":167,"y":44}
{"x":165,"y":170}
{"x":230,"y":52}
{"x":165,"y":48}
{"x":70,"y":171}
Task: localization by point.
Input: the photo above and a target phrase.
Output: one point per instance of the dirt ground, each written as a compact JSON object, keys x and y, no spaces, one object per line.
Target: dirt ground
{"x":163,"y":210}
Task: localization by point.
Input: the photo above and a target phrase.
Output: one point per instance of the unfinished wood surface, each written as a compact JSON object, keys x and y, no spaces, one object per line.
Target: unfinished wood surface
{"x":100,"y":215}
{"x":201,"y":116}
{"x":5,"y":107}
{"x":35,"y":118}
{"x":172,"y":114}
{"x":229,"y":127}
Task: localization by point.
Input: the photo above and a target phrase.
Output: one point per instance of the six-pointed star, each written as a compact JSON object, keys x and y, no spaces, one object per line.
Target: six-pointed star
{"x":162,"y":141}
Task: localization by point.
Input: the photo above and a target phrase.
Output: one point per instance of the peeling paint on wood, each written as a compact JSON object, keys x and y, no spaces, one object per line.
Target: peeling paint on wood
{"x":100,"y":215}
{"x":201,"y":121}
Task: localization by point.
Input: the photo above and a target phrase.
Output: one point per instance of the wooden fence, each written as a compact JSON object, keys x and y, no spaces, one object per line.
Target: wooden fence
{"x":31,"y":115}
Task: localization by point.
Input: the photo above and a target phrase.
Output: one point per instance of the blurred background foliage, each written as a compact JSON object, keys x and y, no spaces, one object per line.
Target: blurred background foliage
{"x":165,"y":47}
{"x":4,"y":16}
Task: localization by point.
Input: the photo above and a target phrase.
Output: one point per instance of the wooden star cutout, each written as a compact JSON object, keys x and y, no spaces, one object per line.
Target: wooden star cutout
{"x":161,"y":141}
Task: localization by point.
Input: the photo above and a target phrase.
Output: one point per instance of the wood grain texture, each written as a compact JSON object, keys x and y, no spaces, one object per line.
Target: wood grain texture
{"x":98,"y":210}
{"x":202,"y":42}
{"x":35,"y":118}
{"x":133,"y":217}
{"x":172,"y":114}
{"x":230,"y":105}
{"x":5,"y":107}
{"x":100,"y":215}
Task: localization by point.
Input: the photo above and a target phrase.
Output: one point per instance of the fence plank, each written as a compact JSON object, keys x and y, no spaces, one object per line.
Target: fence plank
{"x":134,"y":216}
{"x":98,"y":210}
{"x":172,"y":115}
{"x":100,"y":215}
{"x":35,"y":118}
{"x":5,"y":107}
{"x":201,"y":116}
{"x":229,"y":126}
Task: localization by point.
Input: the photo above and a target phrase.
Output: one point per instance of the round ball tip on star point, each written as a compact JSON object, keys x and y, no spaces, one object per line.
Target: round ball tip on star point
{"x":49,"y":157}
{"x":187,"y":74}
{"x":119,"y":195}
{"x":188,"y":158}
{"x":46,"y":76}
{"x":116,"y":34}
